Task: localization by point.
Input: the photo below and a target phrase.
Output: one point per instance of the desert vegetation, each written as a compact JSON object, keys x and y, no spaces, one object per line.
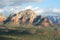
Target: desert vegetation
{"x":29,"y":32}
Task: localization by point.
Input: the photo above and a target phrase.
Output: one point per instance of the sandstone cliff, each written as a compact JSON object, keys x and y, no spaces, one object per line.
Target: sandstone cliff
{"x":2,"y":18}
{"x":24,"y":16}
{"x":28,"y":16}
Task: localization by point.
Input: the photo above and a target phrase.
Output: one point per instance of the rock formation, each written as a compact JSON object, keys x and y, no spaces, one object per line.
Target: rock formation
{"x":40,"y":20}
{"x":28,"y":16}
{"x":24,"y":16}
{"x":2,"y":18}
{"x":47,"y":22}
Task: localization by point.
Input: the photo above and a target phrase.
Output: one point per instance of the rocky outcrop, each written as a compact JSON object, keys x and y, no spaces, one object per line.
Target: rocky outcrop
{"x":24,"y":16}
{"x":47,"y":22}
{"x":41,"y":20}
{"x":2,"y":18}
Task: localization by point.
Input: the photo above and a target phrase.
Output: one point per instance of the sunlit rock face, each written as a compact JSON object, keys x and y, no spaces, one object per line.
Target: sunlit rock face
{"x":2,"y":18}
{"x":24,"y":16}
{"x":46,"y":22}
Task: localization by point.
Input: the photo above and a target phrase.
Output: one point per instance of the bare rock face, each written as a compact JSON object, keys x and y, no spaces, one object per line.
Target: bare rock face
{"x":41,"y":20}
{"x":47,"y":22}
{"x":2,"y":18}
{"x":24,"y":16}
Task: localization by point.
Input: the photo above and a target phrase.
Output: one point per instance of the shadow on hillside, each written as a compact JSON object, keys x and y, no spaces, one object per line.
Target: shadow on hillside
{"x":3,"y":38}
{"x":14,"y":32}
{"x":11,"y":32}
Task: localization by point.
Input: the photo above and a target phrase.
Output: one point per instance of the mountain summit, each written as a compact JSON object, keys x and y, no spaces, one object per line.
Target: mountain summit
{"x":22,"y":17}
{"x":27,"y":16}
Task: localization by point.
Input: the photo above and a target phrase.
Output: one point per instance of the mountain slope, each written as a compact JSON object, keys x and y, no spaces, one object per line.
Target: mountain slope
{"x":28,"y":16}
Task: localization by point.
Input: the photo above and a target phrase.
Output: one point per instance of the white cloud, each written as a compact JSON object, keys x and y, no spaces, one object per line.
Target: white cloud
{"x":15,"y":9}
{"x":12,"y":9}
{"x":37,"y":10}
{"x":29,"y":7}
{"x":56,"y":10}
{"x":51,"y":12}
{"x":1,"y":10}
{"x":21,"y":1}
{"x":17,"y":2}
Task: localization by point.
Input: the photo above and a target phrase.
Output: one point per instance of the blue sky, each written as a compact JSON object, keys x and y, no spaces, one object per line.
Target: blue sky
{"x":6,"y":5}
{"x":41,"y":3}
